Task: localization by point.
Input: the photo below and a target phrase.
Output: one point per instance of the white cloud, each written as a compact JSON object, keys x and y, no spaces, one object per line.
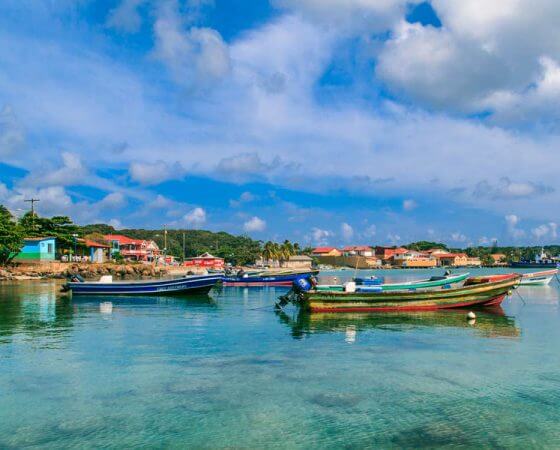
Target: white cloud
{"x":545,"y":231}
{"x":195,"y":57}
{"x":370,"y":231}
{"x":116,"y":224}
{"x":155,"y":173}
{"x":195,"y":218}
{"x":352,"y":16}
{"x":319,"y":236}
{"x":347,"y":231}
{"x":245,"y":197}
{"x":113,"y":200}
{"x":254,"y":224}
{"x":409,"y":205}
{"x":393,"y":238}
{"x":512,"y":221}
{"x":126,"y":16}
{"x":458,"y":237}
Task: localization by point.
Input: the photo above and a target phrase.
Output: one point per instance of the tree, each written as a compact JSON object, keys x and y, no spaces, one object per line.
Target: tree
{"x":11,"y":236}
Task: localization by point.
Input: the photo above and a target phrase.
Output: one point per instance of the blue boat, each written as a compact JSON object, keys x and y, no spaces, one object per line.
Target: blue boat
{"x":192,"y":284}
{"x":260,"y":279}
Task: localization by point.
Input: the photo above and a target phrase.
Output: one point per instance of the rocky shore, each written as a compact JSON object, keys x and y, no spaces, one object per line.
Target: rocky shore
{"x":88,"y":271}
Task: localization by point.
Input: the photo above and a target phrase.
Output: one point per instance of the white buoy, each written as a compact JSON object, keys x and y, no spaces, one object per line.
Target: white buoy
{"x":471,"y":315}
{"x":106,"y":307}
{"x":471,"y":322}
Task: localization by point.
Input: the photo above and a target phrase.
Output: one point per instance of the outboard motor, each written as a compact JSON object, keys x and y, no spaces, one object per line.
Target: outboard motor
{"x":76,"y":278}
{"x":302,"y":284}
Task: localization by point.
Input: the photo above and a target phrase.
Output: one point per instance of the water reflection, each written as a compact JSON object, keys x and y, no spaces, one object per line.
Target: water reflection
{"x":490,"y":323}
{"x":36,"y":312}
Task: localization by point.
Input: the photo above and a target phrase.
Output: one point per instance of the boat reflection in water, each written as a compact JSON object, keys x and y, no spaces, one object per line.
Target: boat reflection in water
{"x":490,"y":322}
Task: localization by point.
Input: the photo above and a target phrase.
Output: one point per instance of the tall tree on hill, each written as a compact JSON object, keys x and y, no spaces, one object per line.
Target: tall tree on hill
{"x":11,"y":236}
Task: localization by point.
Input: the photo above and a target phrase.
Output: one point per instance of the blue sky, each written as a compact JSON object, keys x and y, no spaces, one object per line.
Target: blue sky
{"x":323,"y":121}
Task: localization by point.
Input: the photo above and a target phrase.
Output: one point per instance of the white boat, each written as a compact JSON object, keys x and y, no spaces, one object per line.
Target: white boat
{"x":538,"y":278}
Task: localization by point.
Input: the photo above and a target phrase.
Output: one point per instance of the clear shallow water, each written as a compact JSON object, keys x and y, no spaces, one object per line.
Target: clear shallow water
{"x":227,"y":371}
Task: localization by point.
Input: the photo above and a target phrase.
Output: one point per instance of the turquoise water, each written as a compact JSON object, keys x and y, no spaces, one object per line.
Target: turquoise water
{"x":227,"y":371}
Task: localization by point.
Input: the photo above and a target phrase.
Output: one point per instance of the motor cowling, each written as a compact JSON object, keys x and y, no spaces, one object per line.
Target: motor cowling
{"x":302,"y":284}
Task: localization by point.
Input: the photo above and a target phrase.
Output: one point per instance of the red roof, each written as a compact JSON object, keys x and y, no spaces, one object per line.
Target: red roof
{"x":357,"y":248}
{"x":121,"y":239}
{"x":90,"y":243}
{"x":324,"y":249}
{"x":450,"y":255}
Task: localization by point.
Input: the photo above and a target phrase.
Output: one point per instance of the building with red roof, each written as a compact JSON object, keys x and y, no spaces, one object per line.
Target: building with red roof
{"x":358,"y":250}
{"x":326,"y":251}
{"x":133,"y":249}
{"x":206,"y":261}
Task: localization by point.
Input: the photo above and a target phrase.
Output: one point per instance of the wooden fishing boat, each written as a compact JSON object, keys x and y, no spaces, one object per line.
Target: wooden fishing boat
{"x":192,"y":284}
{"x":362,"y":284}
{"x":268,"y":278}
{"x":538,"y":278}
{"x":490,"y":293}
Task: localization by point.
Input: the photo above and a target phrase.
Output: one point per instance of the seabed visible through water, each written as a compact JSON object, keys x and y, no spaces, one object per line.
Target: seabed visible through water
{"x":227,"y":371}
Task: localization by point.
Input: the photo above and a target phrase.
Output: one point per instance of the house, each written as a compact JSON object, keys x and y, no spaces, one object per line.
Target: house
{"x":133,"y":249}
{"x":358,"y":250}
{"x":499,"y":259}
{"x":474,"y":261}
{"x":98,"y":253}
{"x":452,"y":259}
{"x":206,"y":260}
{"x":37,"y":249}
{"x":386,"y":253}
{"x":298,"y":262}
{"x":413,"y":259}
{"x":326,"y":251}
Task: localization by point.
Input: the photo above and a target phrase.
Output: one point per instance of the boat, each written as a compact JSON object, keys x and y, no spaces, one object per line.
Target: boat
{"x":190,"y":284}
{"x":267,"y":278}
{"x":541,"y":261}
{"x":538,"y":278}
{"x":477,"y":293}
{"x":377,"y":285}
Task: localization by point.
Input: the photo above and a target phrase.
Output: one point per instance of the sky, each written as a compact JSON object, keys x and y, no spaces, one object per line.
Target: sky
{"x":327,"y":122}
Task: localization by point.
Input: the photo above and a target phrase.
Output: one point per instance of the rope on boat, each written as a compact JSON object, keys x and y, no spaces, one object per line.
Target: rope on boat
{"x":520,"y":296}
{"x":557,"y":279}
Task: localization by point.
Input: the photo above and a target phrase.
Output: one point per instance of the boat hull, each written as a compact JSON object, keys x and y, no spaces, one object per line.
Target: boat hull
{"x":533,"y":265}
{"x":262,"y":281}
{"x":484,"y":294}
{"x":538,"y":278}
{"x":186,"y":285}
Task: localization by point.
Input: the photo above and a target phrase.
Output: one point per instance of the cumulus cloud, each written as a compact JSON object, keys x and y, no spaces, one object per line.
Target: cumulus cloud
{"x":254,"y":224}
{"x":319,"y":236}
{"x":346,"y":231}
{"x":71,"y":172}
{"x":545,"y":231}
{"x":155,"y":173}
{"x":195,"y":218}
{"x":512,"y":221}
{"x":196,"y":56}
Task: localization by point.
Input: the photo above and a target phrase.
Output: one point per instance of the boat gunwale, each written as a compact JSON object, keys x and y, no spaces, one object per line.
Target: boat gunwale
{"x":405,"y":296}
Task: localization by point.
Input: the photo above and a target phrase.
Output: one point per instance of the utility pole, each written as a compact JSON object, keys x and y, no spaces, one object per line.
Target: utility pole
{"x":32,"y":201}
{"x":184,"y":248}
{"x":164,"y":244}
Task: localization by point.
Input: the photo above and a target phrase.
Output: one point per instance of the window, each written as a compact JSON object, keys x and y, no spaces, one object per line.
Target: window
{"x":49,"y":248}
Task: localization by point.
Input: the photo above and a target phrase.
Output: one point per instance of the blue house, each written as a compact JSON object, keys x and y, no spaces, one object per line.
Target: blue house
{"x":37,"y":249}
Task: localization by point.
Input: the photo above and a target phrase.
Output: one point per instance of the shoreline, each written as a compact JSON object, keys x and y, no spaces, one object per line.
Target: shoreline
{"x":89,"y":271}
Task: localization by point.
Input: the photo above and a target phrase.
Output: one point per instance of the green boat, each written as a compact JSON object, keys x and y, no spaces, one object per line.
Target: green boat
{"x":431,"y":282}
